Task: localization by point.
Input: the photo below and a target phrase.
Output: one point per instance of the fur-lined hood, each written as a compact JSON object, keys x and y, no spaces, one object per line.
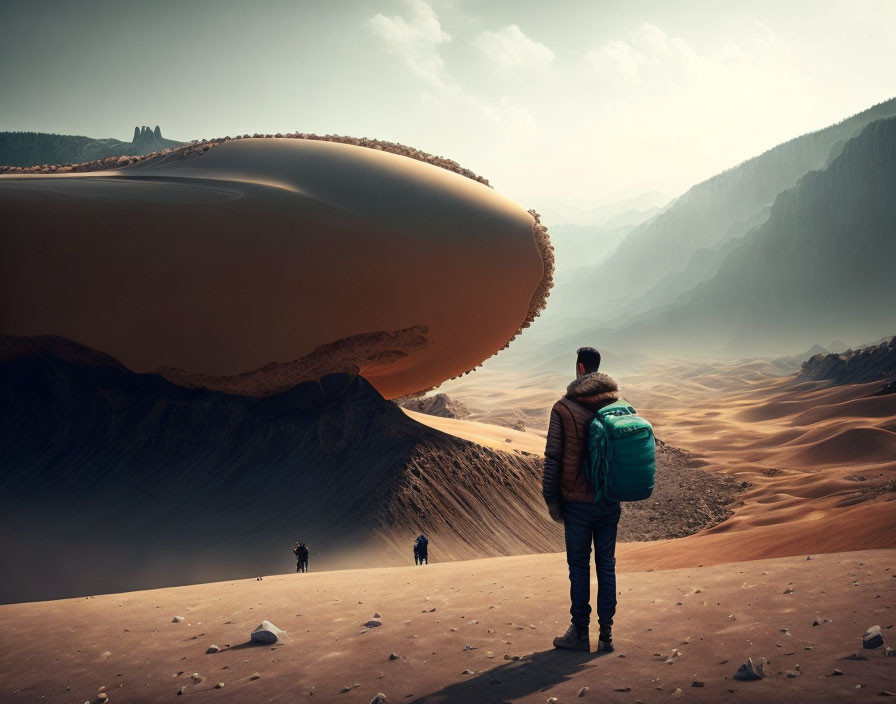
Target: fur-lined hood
{"x":593,"y":390}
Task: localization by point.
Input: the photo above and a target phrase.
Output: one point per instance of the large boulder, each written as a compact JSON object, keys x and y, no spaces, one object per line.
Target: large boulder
{"x":248,"y":266}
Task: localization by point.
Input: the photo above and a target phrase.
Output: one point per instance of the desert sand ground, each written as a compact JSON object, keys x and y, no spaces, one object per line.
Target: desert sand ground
{"x":673,"y":628}
{"x":820,"y":460}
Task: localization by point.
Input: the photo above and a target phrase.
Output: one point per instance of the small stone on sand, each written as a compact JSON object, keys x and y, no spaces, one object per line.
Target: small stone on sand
{"x":380,"y":698}
{"x":373,"y":623}
{"x":748,"y":671}
{"x":266,"y":633}
{"x":178,"y":619}
{"x":872,"y":638}
{"x":220,"y":685}
{"x":212,"y":649}
{"x":583,"y":691}
{"x":393,"y":656}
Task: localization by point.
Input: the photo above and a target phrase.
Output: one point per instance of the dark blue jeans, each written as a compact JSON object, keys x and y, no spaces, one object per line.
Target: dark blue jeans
{"x":586,"y":522}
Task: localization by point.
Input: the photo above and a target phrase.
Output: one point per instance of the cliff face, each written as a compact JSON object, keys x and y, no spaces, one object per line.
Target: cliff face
{"x":873,"y":363}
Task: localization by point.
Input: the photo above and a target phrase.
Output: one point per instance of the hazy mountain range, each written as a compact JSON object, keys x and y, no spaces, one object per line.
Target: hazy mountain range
{"x":768,"y":257}
{"x":819,"y":267}
{"x":35,"y":148}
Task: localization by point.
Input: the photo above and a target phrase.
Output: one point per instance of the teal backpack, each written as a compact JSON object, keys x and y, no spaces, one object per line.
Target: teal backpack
{"x":620,"y":462}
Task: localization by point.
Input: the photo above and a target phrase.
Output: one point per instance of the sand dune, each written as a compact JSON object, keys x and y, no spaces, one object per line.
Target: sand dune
{"x":505,"y":609}
{"x":173,"y":485}
{"x":820,"y":458}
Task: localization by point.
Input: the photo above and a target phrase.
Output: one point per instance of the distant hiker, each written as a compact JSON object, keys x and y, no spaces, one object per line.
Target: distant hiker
{"x":582,"y":490}
{"x":421,"y":550}
{"x":301,"y":553}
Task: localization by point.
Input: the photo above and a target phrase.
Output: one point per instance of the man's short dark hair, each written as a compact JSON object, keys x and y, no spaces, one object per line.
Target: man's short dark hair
{"x":589,"y":358}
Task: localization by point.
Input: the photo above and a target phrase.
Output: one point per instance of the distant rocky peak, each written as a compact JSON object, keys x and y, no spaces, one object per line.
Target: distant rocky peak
{"x":145,"y":134}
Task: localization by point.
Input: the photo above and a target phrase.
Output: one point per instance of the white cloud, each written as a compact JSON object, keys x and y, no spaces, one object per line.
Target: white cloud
{"x":511,"y":48}
{"x":416,"y":39}
{"x":651,"y":54}
{"x":652,"y":38}
{"x":619,"y":60}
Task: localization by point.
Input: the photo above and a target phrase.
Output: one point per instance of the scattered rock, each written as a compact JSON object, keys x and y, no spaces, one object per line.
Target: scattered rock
{"x":373,"y":623}
{"x":256,"y":676}
{"x":748,"y":671}
{"x":583,"y":691}
{"x":178,"y":619}
{"x":623,"y":689}
{"x":212,"y":649}
{"x":220,"y":685}
{"x":196,"y":677}
{"x":872,"y":638}
{"x":550,"y":700}
{"x":349,"y":688}
{"x":266,"y":633}
{"x":394,"y":656}
{"x":836,"y":673}
{"x":698,"y":683}
{"x":820,"y":621}
{"x":468,"y":672}
{"x":890,"y":652}
{"x":469,"y":647}
{"x":886,"y":693}
{"x":377,"y":615}
{"x":676,"y":693}
{"x":380,"y":698}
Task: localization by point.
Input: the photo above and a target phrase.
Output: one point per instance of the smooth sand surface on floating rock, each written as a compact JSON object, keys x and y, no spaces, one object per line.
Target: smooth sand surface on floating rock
{"x":261,"y":263}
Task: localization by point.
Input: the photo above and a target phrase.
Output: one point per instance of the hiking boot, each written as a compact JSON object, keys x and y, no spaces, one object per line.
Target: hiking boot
{"x":605,"y":642}
{"x":575,"y":638}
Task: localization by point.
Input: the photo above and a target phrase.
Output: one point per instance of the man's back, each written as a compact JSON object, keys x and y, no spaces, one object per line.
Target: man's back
{"x":570,"y":499}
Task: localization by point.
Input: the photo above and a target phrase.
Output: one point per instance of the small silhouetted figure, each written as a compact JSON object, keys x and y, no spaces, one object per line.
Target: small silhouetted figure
{"x":301,"y":553}
{"x":421,"y":550}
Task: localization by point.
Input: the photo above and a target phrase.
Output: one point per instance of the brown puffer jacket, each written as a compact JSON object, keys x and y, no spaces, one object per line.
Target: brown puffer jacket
{"x":567,"y":438}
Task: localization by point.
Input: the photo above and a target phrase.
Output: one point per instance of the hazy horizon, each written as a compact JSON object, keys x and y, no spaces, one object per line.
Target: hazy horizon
{"x":581,"y":103}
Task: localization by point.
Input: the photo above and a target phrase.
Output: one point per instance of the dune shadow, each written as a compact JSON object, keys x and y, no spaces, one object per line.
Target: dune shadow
{"x":513,"y":680}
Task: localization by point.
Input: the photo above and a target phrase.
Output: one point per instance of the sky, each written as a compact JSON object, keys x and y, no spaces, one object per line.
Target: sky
{"x":573,"y":102}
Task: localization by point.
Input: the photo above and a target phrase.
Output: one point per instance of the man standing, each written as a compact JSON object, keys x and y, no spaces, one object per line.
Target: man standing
{"x":570,"y":499}
{"x":421,"y":550}
{"x":301,"y":552}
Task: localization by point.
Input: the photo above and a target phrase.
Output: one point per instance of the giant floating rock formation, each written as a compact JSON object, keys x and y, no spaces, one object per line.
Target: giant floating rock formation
{"x":250,"y":265}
